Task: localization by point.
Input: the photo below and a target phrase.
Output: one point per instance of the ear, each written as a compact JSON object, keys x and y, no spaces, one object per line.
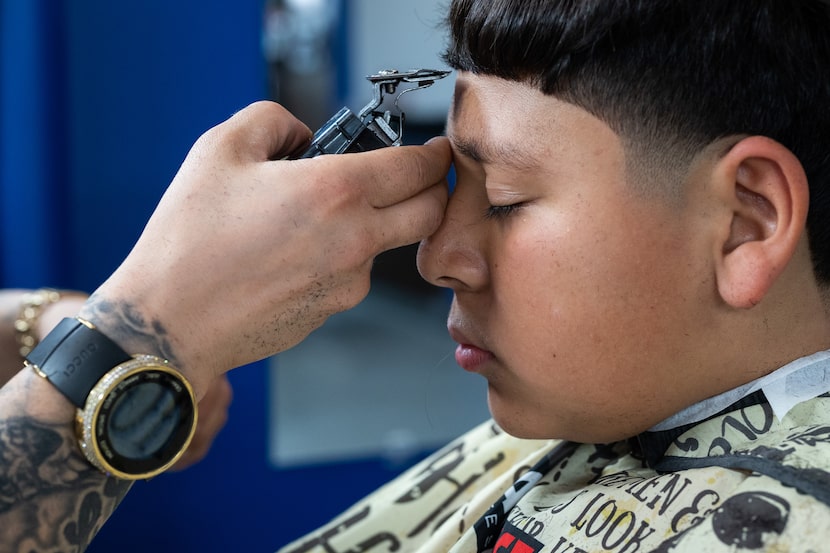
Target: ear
{"x":765,"y":187}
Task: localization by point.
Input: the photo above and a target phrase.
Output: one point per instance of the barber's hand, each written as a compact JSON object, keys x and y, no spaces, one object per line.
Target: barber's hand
{"x":245,"y":255}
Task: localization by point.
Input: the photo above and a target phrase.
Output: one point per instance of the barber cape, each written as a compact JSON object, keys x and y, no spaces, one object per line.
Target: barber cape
{"x":746,"y":478}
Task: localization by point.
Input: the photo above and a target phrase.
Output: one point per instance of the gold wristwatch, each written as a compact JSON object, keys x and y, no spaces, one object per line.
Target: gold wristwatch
{"x":136,"y":414}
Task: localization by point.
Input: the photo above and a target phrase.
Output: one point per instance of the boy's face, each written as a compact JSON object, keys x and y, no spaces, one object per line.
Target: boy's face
{"x":585,"y":304}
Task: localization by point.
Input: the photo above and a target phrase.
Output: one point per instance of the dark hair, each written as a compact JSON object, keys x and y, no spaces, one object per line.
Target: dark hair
{"x":671,"y":76}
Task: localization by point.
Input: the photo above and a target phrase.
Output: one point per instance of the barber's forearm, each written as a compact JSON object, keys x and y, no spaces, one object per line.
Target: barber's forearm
{"x":41,"y":467}
{"x":44,"y":473}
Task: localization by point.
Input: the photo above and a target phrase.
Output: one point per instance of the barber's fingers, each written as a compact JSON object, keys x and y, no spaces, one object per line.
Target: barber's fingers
{"x":391,"y":175}
{"x":397,"y":191}
{"x":259,"y":132}
{"x":408,"y":190}
{"x":412,"y":220}
{"x":400,"y":173}
{"x":397,"y":195}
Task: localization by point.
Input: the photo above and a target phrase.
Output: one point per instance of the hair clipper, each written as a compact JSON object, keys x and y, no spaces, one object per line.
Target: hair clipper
{"x":372,"y":127}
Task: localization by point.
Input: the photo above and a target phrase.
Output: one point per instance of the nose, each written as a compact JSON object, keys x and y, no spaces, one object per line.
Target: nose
{"x":454,"y":256}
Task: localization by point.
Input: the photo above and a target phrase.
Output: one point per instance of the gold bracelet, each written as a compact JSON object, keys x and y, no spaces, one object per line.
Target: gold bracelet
{"x":31,"y":305}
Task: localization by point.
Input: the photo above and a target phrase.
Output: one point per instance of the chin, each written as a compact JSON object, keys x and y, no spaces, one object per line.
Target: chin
{"x":520,"y":423}
{"x":521,"y":429}
{"x":527,"y":431}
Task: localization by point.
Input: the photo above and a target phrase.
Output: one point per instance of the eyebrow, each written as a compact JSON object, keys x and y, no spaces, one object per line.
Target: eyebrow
{"x":494,"y":153}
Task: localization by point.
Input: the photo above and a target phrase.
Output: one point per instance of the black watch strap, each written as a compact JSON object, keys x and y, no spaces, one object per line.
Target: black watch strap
{"x":74,"y":356}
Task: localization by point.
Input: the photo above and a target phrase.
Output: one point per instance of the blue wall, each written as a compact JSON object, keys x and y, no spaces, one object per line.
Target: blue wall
{"x":99,"y":103}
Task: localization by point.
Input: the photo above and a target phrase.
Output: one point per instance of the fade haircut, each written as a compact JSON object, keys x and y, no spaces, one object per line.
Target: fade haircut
{"x":671,"y":76}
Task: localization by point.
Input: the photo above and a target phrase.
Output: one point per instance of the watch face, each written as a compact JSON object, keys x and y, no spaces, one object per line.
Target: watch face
{"x":142,"y":420}
{"x":143,"y":423}
{"x":147,"y":418}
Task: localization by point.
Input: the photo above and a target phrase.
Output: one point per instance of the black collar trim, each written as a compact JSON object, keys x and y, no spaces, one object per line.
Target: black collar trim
{"x":653,"y":445}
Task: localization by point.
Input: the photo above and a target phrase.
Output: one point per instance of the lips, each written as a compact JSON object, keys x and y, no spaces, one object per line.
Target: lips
{"x":469,"y":356}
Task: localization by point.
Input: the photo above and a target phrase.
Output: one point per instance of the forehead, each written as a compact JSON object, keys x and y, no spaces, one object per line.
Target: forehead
{"x":494,"y":120}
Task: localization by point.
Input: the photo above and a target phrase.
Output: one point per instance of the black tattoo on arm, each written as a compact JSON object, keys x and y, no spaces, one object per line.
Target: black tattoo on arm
{"x":51,"y":499}
{"x":124,"y":324}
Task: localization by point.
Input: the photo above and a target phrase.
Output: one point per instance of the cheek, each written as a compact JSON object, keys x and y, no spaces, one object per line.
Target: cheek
{"x":588,"y":291}
{"x":533,"y":287}
{"x":542,"y":269}
{"x":590,"y":313}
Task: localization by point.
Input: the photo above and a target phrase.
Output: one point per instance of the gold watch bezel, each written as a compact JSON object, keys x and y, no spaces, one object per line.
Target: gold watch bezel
{"x":102,"y":398}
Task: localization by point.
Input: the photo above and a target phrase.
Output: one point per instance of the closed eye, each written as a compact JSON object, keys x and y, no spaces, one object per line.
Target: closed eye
{"x":502,"y":211}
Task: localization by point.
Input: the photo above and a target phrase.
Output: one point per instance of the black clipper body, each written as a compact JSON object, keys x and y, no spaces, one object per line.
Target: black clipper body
{"x":372,"y":128}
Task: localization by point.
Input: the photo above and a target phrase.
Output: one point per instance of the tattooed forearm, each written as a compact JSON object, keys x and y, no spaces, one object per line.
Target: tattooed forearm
{"x":51,"y":499}
{"x":128,"y":327}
